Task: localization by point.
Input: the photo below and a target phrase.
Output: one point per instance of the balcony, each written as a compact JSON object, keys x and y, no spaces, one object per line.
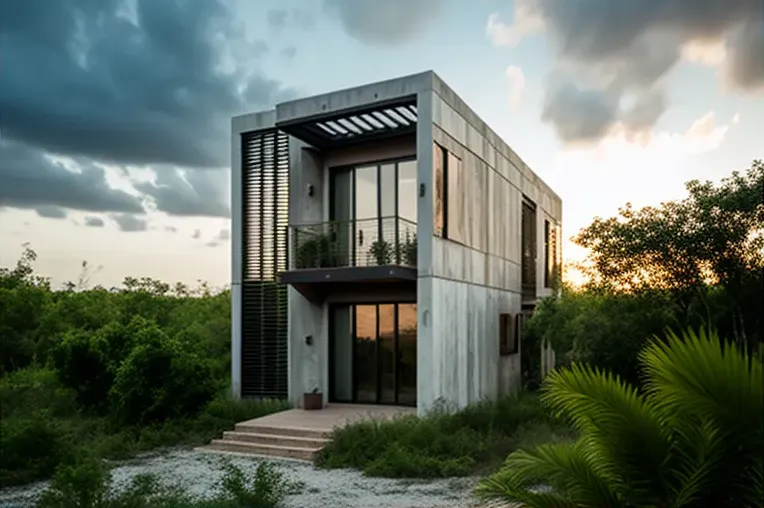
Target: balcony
{"x":329,"y":259}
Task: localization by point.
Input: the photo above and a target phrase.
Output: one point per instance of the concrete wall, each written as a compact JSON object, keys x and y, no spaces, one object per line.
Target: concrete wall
{"x":464,"y":287}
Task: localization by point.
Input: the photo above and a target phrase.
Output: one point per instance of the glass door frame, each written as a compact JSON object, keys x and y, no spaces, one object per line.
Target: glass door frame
{"x":354,"y":371}
{"x":351,"y":168}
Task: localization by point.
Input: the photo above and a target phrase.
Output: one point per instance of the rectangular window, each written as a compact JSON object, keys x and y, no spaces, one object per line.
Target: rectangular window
{"x":551,"y":255}
{"x":508,"y":337}
{"x":439,"y":192}
{"x":454,"y":201}
{"x":548,"y":260}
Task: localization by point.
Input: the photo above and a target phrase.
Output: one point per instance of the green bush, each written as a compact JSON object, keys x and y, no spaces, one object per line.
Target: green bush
{"x":605,"y":329}
{"x":441,"y":444}
{"x":160,"y":380}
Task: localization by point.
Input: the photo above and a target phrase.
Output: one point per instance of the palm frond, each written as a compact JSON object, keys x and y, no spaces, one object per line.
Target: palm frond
{"x":699,"y":374}
{"x":512,"y":486}
{"x":616,"y":420}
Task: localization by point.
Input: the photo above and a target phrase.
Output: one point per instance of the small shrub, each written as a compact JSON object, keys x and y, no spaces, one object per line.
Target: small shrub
{"x":476,"y":438}
{"x":267,"y":488}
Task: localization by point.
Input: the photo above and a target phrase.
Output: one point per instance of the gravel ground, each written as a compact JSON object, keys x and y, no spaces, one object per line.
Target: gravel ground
{"x":199,"y":472}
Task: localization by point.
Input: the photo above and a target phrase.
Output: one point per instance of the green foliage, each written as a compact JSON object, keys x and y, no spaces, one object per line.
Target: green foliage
{"x":603,"y":328}
{"x":110,"y":373}
{"x":316,"y":250}
{"x":160,"y":380}
{"x":88,"y":484}
{"x":693,"y":438}
{"x":714,"y":237}
{"x":440,"y":444}
{"x":382,"y":252}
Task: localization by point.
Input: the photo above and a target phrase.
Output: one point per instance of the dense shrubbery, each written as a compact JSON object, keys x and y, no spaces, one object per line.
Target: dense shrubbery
{"x":109,"y":372}
{"x":471,"y":440}
{"x":690,"y":263}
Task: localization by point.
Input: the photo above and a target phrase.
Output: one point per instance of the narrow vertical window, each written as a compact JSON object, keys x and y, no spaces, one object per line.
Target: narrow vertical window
{"x":454,"y":201}
{"x":548,"y":255}
{"x":439,"y":193}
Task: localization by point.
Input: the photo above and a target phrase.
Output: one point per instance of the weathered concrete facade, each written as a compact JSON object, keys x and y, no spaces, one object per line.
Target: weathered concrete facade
{"x":463,"y":284}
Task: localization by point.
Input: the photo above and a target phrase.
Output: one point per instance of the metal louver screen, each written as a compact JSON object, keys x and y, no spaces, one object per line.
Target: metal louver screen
{"x":265,"y":160}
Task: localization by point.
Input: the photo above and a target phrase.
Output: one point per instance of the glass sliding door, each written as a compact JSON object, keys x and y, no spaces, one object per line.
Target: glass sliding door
{"x":365,"y":353}
{"x":373,"y":352}
{"x":379,"y":204}
{"x":366,"y":214}
{"x":407,"y":356}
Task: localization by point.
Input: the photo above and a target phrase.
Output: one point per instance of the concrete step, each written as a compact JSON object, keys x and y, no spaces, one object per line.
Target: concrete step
{"x":289,"y":452}
{"x":252,"y":428}
{"x":275,"y":439}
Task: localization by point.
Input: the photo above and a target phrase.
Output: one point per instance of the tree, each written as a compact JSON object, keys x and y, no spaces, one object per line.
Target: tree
{"x":713,"y":237}
{"x":694,"y":438}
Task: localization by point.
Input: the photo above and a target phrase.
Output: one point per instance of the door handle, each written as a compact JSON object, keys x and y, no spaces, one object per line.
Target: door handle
{"x":360,"y":237}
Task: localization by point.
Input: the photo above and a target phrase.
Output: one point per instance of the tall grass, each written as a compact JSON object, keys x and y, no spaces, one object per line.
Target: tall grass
{"x":471,"y":441}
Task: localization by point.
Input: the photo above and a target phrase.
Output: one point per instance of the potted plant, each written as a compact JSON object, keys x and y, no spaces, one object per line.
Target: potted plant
{"x":382,"y":252}
{"x":406,"y":251}
{"x":313,"y":400}
{"x":316,"y":251}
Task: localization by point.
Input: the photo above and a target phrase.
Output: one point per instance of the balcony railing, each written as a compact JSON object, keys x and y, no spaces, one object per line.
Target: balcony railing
{"x":367,"y":242}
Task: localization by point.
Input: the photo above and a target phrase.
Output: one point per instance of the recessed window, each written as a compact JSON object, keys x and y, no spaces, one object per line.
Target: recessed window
{"x":509,"y":343}
{"x":439,"y":192}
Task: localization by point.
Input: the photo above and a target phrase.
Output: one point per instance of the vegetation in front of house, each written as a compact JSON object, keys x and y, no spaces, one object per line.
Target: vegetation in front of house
{"x":442,"y":444}
{"x":109,"y":373}
{"x":88,"y":484}
{"x":693,"y":437}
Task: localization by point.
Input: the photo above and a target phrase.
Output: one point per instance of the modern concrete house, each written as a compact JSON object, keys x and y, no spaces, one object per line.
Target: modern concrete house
{"x":386,"y":243}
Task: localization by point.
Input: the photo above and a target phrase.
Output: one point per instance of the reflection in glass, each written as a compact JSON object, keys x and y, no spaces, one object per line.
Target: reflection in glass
{"x":342,"y":212}
{"x":407,"y":356}
{"x":387,"y":190}
{"x":387,"y":356}
{"x":365,"y":362}
{"x":439,"y":192}
{"x":366,"y":207}
{"x":342,"y":362}
{"x":455,"y":204}
{"x":407,"y":193}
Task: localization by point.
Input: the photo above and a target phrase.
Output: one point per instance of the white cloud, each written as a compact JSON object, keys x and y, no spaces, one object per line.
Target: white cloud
{"x":711,"y":53}
{"x":516,"y":79}
{"x":644,"y":170}
{"x":525,"y":21}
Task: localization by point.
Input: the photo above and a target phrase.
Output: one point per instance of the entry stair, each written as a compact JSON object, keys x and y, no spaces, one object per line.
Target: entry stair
{"x":271,"y":441}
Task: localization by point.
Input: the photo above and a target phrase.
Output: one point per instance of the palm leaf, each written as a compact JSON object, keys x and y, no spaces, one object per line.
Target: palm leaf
{"x":699,"y":374}
{"x":616,"y":419}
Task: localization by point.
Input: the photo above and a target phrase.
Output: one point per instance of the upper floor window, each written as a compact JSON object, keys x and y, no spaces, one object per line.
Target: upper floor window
{"x":551,"y":254}
{"x":447,"y":180}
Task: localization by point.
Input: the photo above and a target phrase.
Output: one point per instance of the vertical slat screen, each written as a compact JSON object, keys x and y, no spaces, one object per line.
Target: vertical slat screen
{"x":265,"y":160}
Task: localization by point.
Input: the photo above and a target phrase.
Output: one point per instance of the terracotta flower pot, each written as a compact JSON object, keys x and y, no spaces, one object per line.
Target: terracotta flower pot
{"x":312,"y":401}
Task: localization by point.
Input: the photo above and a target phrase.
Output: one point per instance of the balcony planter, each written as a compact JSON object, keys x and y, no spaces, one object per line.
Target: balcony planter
{"x":313,"y":400}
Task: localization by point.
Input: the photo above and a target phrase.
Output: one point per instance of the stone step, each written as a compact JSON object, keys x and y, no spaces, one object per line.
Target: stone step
{"x":253,"y":428}
{"x":288,"y":452}
{"x":275,"y":439}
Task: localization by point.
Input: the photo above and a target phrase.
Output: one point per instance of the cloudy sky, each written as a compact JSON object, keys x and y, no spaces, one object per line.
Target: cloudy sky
{"x":114,"y":114}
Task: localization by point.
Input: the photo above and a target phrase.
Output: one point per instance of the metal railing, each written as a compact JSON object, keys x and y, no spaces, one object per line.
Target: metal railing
{"x":366,"y":242}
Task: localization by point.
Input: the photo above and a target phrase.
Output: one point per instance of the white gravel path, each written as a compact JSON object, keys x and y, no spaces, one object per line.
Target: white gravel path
{"x":200,"y":472}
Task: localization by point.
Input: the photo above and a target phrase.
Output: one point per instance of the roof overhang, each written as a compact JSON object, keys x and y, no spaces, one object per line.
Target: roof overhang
{"x":368,"y":122}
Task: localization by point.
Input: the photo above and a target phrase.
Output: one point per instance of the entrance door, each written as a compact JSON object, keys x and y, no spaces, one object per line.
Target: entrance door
{"x":373,"y":354}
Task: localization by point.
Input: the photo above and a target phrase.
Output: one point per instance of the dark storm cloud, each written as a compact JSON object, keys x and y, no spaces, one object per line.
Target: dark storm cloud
{"x":627,"y":46}
{"x":94,"y":222}
{"x":189,"y":193}
{"x":130,"y":223}
{"x":28,"y":179}
{"x":579,"y":115}
{"x":51,"y":212}
{"x":389,"y":22}
{"x":80,"y":78}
